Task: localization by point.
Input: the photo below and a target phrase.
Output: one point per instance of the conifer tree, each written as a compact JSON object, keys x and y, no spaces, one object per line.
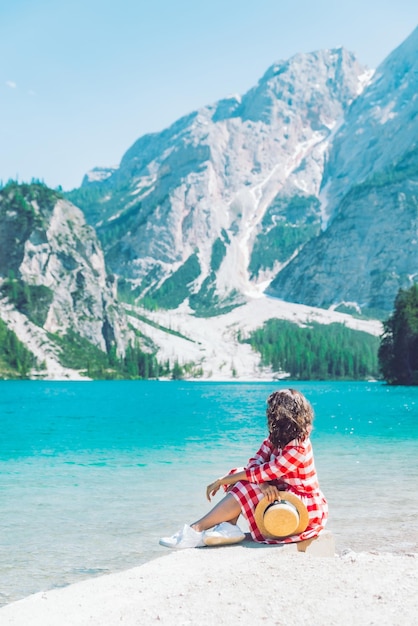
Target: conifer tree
{"x":316,"y":351}
{"x":398,"y":351}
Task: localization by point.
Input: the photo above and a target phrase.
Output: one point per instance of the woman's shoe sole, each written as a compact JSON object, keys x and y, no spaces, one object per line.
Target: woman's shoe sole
{"x":222,"y":541}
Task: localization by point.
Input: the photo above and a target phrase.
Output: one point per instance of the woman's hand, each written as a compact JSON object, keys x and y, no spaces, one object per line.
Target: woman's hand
{"x":229,"y":479}
{"x":213,"y":488}
{"x":270,"y":491}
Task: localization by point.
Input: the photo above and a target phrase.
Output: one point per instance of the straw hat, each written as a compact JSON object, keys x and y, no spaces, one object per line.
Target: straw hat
{"x":281,"y":518}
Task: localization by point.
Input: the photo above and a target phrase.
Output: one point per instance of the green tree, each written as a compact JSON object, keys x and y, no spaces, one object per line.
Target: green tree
{"x":16,"y":361}
{"x":398,"y":351}
{"x":316,"y":351}
{"x":177,"y":371}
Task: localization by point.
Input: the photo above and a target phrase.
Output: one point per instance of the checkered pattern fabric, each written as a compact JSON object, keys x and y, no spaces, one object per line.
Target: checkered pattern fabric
{"x":290,"y":469}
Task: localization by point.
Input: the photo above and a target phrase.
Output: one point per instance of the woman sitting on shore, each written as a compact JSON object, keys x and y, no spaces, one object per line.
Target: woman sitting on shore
{"x":284,"y":464}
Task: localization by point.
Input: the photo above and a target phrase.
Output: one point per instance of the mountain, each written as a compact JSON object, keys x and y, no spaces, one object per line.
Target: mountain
{"x":60,"y":318}
{"x":209,"y":210}
{"x":369,"y":246}
{"x":293,"y":189}
{"x":55,"y":292}
{"x":304,"y":189}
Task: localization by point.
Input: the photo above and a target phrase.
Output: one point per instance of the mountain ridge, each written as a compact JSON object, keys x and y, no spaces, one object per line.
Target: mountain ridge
{"x":289,"y":190}
{"x":207,"y":182}
{"x":370,"y":183}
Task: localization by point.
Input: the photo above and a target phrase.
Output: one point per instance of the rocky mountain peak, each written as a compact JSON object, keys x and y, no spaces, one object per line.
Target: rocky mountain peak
{"x":378,"y":127}
{"x":189,"y":203}
{"x":317,"y":84}
{"x":369,"y":197}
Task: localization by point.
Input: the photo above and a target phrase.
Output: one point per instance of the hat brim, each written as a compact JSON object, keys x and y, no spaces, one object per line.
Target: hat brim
{"x":289,"y":497}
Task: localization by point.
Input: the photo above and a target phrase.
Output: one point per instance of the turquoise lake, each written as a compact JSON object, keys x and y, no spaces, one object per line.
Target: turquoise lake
{"x":93,"y":473}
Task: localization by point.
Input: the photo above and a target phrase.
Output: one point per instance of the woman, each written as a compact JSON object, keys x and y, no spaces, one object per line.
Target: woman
{"x":284,"y":462}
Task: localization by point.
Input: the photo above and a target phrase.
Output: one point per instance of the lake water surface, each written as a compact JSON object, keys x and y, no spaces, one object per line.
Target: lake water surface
{"x":93,"y":473}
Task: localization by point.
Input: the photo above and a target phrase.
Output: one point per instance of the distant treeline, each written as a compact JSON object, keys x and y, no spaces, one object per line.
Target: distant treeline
{"x":316,"y":351}
{"x":79,"y":354}
{"x":75,"y":352}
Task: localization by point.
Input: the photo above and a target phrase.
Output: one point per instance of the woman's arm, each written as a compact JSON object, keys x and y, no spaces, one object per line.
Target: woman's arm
{"x":269,"y":490}
{"x":288,"y":464}
{"x":259,"y":470}
{"x":229,"y":479}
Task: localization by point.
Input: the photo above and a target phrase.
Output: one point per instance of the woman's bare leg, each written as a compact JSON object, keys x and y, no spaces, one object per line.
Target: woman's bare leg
{"x":227,"y":510}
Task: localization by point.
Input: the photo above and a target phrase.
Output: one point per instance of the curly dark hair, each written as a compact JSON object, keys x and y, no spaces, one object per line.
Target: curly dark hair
{"x":289,"y":417}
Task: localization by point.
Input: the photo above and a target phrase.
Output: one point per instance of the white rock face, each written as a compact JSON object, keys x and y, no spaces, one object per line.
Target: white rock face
{"x":53,"y":263}
{"x":379,"y":127}
{"x":98,"y":174}
{"x":368,"y":249}
{"x":37,"y":341}
{"x":214,"y":174}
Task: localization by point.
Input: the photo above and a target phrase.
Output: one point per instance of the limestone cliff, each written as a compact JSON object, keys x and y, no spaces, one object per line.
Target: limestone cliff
{"x":52,"y":272}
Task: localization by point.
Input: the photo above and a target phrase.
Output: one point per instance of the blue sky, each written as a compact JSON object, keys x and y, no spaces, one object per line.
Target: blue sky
{"x":81,"y":80}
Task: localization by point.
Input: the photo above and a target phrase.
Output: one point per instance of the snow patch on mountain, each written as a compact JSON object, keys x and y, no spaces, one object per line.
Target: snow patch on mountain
{"x":386,"y":113}
{"x":99,"y":174}
{"x":212,"y":343}
{"x":364,"y":80}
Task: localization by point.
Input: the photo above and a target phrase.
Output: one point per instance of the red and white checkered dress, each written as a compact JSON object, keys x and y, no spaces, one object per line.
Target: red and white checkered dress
{"x":290,"y":469}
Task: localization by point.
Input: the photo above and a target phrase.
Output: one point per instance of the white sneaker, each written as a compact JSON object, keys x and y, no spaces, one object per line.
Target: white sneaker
{"x":187,"y":537}
{"x":223,"y":534}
